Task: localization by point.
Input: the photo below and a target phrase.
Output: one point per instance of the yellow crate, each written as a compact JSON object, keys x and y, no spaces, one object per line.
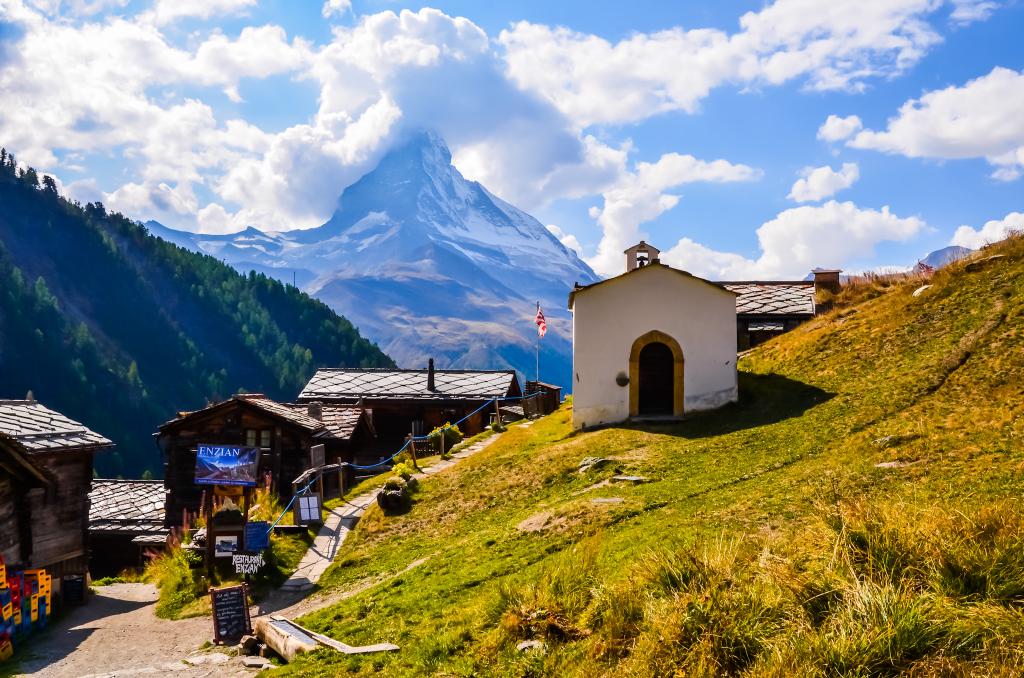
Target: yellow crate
{"x":6,"y":650}
{"x":7,"y":611}
{"x":17,"y":616}
{"x":3,"y":575}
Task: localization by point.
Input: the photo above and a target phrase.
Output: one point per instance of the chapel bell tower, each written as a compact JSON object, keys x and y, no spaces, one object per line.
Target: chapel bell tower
{"x":640,"y":255}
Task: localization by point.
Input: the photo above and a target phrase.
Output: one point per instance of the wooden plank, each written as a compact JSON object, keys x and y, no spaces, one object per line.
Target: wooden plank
{"x":337,"y":645}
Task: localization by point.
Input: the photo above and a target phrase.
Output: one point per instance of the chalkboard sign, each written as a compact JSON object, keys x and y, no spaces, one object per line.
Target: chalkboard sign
{"x":230,"y":613}
{"x":257,"y":535}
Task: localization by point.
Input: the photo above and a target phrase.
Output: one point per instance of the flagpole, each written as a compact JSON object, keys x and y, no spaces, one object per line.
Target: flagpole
{"x":538,"y":347}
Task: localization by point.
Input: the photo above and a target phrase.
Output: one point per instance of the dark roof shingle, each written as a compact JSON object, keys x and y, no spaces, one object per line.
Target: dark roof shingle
{"x":408,"y":384}
{"x":341,"y":421}
{"x":338,"y":421}
{"x":36,"y":428}
{"x":773,"y":298}
{"x":135,"y":506}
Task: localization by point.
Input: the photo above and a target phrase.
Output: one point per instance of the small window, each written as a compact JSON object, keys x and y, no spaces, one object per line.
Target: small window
{"x":250,"y":437}
{"x":264,"y":438}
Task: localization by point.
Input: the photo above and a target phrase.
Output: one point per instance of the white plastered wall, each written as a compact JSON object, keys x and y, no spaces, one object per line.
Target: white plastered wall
{"x":609,"y":317}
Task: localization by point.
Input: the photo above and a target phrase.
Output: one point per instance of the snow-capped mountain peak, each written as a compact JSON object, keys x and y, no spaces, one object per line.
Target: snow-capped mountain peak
{"x":427,"y":263}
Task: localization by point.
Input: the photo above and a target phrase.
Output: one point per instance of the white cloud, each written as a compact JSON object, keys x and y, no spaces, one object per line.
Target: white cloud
{"x":213,"y":218}
{"x":981,"y":119}
{"x":969,"y":11}
{"x":336,"y":8}
{"x":567,"y":239}
{"x":836,"y":129}
{"x":833,"y":235}
{"x":512,"y":141}
{"x":835,"y":45}
{"x":159,"y":201}
{"x":77,"y":7}
{"x":818,"y":183}
{"x":641,"y":196}
{"x":166,"y":11}
{"x":992,"y":231}
{"x":513,"y":111}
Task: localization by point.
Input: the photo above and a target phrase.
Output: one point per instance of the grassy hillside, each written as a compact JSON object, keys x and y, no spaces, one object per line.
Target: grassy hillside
{"x":119,"y":329}
{"x":857,"y":513}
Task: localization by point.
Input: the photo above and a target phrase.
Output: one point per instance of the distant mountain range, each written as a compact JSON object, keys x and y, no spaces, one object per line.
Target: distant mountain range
{"x":120,"y":330}
{"x":425,"y":263}
{"x":946,"y":255}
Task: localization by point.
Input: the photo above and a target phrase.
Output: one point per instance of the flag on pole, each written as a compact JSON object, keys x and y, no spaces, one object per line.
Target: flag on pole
{"x":542,"y":323}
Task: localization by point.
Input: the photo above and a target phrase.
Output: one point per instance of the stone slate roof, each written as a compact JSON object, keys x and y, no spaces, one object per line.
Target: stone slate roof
{"x":127,"y":506}
{"x":35,"y":429}
{"x":339,"y":421}
{"x":773,"y":298}
{"x":393,"y":384}
{"x":288,"y":411}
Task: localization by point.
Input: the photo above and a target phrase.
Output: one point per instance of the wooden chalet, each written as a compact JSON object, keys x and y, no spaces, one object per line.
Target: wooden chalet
{"x":45,"y":478}
{"x":286,"y":434}
{"x":767,"y":308}
{"x":414,"y":401}
{"x":126,"y":519}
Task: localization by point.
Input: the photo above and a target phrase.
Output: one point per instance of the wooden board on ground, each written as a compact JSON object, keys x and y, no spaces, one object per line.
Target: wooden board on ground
{"x":289,"y":639}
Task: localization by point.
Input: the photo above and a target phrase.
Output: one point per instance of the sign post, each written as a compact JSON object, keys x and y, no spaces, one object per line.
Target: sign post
{"x":225,"y":466}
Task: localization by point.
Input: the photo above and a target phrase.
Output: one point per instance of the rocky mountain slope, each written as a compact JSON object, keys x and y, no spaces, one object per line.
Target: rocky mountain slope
{"x":426,"y":263}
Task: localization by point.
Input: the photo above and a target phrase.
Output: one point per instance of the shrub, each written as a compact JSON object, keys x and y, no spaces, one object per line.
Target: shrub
{"x":403,"y":471}
{"x":178,"y":583}
{"x":452,"y":436}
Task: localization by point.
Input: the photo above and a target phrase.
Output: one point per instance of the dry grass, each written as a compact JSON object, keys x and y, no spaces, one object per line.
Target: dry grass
{"x":769,"y":543}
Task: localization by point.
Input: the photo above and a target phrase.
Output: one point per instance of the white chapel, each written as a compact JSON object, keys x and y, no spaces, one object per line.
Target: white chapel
{"x":653,"y":342}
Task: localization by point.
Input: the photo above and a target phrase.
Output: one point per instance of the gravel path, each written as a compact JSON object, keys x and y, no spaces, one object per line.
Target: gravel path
{"x":118,"y":634}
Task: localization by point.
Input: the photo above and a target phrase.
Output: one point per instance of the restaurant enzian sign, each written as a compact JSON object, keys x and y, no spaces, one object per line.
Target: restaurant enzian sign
{"x":226,"y":465}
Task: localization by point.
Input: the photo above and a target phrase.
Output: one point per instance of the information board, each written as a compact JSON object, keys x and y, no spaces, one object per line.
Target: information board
{"x":226,"y":465}
{"x":308,"y":509}
{"x":257,"y":535}
{"x":230,"y":613}
{"x":317,"y":456}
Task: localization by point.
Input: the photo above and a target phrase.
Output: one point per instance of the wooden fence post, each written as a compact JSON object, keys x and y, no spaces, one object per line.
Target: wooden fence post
{"x":412,"y":451}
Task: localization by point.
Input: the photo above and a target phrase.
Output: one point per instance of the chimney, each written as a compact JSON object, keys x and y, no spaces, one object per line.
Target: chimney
{"x":315,"y":410}
{"x":640,"y":255}
{"x":430,"y":375}
{"x":826,"y":279}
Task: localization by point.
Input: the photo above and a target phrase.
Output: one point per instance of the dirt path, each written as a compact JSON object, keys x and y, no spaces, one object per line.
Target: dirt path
{"x":118,"y":634}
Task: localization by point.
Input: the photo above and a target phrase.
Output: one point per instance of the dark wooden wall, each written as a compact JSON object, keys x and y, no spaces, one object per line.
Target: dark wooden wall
{"x":60,"y":514}
{"x":10,"y":541}
{"x":285,"y":459}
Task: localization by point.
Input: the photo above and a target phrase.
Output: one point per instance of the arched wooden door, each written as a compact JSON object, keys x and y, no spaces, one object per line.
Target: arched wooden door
{"x":656,"y":383}
{"x":656,"y":376}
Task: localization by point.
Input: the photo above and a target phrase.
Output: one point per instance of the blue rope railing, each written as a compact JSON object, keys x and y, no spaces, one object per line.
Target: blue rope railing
{"x":444,"y":428}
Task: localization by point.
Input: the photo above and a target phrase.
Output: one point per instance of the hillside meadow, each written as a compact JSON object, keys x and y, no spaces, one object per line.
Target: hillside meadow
{"x":858,"y":512}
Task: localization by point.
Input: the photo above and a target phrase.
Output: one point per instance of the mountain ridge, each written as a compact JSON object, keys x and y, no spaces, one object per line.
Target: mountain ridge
{"x":427,"y":263}
{"x":120,"y":330}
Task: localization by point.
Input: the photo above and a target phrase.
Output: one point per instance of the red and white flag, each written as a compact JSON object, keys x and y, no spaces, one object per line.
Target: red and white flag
{"x":542,"y":323}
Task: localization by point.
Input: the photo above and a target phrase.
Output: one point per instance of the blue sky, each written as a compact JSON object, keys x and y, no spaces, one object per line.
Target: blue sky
{"x":688,"y":124}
